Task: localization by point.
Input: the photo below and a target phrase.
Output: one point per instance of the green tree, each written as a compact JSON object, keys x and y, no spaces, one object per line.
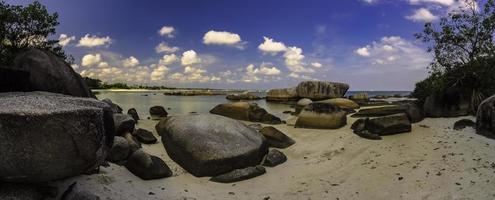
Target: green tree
{"x":463,"y":50}
{"x":27,"y":26}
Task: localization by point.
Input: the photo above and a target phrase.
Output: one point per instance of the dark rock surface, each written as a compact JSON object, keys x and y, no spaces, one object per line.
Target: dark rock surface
{"x":243,"y":96}
{"x":147,"y":167}
{"x":116,"y":109}
{"x":388,"y":125}
{"x":463,"y":123}
{"x":133,"y":113}
{"x":453,"y":102}
{"x":158,"y":112}
{"x":282,"y":95}
{"x":274,"y":158}
{"x":38,"y":70}
{"x":413,"y":112}
{"x":245,"y":111}
{"x":322,"y":116}
{"x":73,"y":192}
{"x":209,"y":145}
{"x":301,"y":104}
{"x":46,"y":136}
{"x":485,"y":118}
{"x":359,"y":128}
{"x":120,"y":150}
{"x":145,"y":136}
{"x":123,"y":124}
{"x":239,"y":174}
{"x":275,"y":138}
{"x":319,"y":90}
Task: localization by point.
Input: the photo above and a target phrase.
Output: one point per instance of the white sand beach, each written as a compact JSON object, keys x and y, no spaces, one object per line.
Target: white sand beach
{"x":432,"y":162}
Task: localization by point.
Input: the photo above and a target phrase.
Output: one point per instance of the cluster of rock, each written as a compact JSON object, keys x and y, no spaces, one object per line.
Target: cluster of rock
{"x":220,"y":147}
{"x":194,"y":92}
{"x":245,"y":111}
{"x":243,"y":96}
{"x":314,"y":90}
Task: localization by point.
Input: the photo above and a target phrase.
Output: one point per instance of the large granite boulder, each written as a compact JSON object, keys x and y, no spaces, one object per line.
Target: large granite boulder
{"x":275,"y":138}
{"x":321,"y":116}
{"x":46,"y":136}
{"x":116,"y":109}
{"x":38,"y":70}
{"x":301,"y":104}
{"x":123,"y":123}
{"x":285,"y":94}
{"x":245,"y":111}
{"x":485,"y":118}
{"x":388,"y":125}
{"x":119,"y":151}
{"x":147,"y":167}
{"x":243,"y":96}
{"x":209,"y":145}
{"x":452,"y":102}
{"x":318,"y":90}
{"x":413,"y":112}
{"x":341,"y":103}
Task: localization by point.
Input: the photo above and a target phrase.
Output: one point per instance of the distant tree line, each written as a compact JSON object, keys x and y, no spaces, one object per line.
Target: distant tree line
{"x":98,"y":84}
{"x":464,"y":53}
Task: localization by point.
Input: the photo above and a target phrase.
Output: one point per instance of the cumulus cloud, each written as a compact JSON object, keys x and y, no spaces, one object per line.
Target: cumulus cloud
{"x":422,"y":15}
{"x":93,"y":41}
{"x":370,"y":1}
{"x":168,"y":59}
{"x":223,"y":38}
{"x":363,"y":51}
{"x":316,"y":64}
{"x":189,"y":58}
{"x":263,"y":70}
{"x":90,"y":59}
{"x":64,"y":40}
{"x":270,"y":46}
{"x":165,"y":48}
{"x":440,"y":2}
{"x":167,"y":31}
{"x":130,"y":62}
{"x":294,"y":60}
{"x":158,"y":73}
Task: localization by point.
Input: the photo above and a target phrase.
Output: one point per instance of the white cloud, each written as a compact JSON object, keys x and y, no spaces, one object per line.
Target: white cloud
{"x":263,"y":70}
{"x":422,"y":15}
{"x":75,"y":66}
{"x":168,"y":59}
{"x":158,"y":74}
{"x":370,"y":1}
{"x":363,"y":51}
{"x":189,"y":58}
{"x":163,"y":47}
{"x":90,"y":59}
{"x":93,"y":41}
{"x":293,"y":60}
{"x":130,"y":62}
{"x":271,"y":47}
{"x":316,"y":64}
{"x":223,"y":38}
{"x":167,"y":31}
{"x":440,"y":2}
{"x":64,"y":40}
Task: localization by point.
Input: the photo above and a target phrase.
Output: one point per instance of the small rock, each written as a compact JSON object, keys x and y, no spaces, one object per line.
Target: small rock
{"x":239,"y":174}
{"x":133,"y":113}
{"x":119,"y":150}
{"x":463,"y":123}
{"x":145,"y":136}
{"x":276,"y":138}
{"x":158,"y":112}
{"x":274,"y":158}
{"x":147,"y":166}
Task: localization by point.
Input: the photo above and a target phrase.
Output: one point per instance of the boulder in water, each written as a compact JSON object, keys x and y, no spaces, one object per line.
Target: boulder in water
{"x":341,"y":103}
{"x":46,"y":136}
{"x":243,"y":96}
{"x":210,"y":145}
{"x":282,"y":95}
{"x":158,"y":112}
{"x":319,"y":90}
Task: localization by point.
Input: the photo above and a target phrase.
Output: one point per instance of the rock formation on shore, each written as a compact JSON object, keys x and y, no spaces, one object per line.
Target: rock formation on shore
{"x":245,"y":111}
{"x":243,"y":96}
{"x":485,"y":118}
{"x":314,"y":90}
{"x":321,"y":115}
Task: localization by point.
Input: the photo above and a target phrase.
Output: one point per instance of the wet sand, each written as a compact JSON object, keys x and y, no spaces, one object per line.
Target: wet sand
{"x":432,"y":162}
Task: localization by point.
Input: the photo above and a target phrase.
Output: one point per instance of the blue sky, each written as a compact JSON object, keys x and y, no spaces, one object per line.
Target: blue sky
{"x":255,"y":44}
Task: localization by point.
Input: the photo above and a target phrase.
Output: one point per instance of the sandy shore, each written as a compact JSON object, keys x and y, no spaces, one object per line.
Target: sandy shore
{"x":432,"y":162}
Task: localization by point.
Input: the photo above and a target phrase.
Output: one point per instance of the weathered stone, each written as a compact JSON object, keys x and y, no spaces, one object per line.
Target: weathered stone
{"x":359,"y":128}
{"x":158,"y":112}
{"x":274,"y":158}
{"x":147,"y":167}
{"x":413,"y":112}
{"x":145,"y":136}
{"x":388,"y":125}
{"x":209,"y":145}
{"x":133,"y":142}
{"x":323,"y":116}
{"x":239,"y":174}
{"x":285,"y":94}
{"x":115,"y":108}
{"x":243,"y":96}
{"x":133,"y":113}
{"x":301,"y":104}
{"x":362,"y":96}
{"x":119,"y":151}
{"x":275,"y":138}
{"x":463,"y":123}
{"x":245,"y":111}
{"x":341,"y":103}
{"x":485,"y":118}
{"x":318,"y":90}
{"x":75,"y":193}
{"x":46,"y":136}
{"x":453,"y":102}
{"x":38,"y":70}
{"x":16,"y":191}
{"x":123,"y":124}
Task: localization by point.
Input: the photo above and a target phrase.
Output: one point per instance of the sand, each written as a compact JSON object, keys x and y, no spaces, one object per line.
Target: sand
{"x":432,"y":162}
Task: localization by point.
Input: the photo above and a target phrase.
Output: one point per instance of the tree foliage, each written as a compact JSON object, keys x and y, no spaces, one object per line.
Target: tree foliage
{"x":27,"y":26}
{"x":463,"y":49}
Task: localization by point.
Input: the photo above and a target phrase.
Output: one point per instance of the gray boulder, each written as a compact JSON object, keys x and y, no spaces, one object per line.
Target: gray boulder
{"x":388,"y":125}
{"x":16,"y":191}
{"x":239,"y":174}
{"x":123,"y":124}
{"x":301,"y":104}
{"x":245,"y":111}
{"x":285,"y":94}
{"x":463,"y":123}
{"x":120,"y":150}
{"x":158,"y":112}
{"x":453,"y":102}
{"x":147,"y":167}
{"x":209,"y":145}
{"x":243,"y":96}
{"x":319,"y":90}
{"x":39,"y":70}
{"x":274,"y":158}
{"x":134,"y":144}
{"x":359,"y":128}
{"x":413,"y":112}
{"x":275,"y":138}
{"x":362,"y":96}
{"x":144,"y":136}
{"x":321,"y":116}
{"x":485,"y":118}
{"x":46,"y":136}
{"x":73,"y":192}
{"x":133,"y":113}
{"x":115,"y":108}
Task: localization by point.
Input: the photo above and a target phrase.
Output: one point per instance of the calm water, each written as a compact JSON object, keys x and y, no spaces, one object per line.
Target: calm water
{"x":177,"y":105}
